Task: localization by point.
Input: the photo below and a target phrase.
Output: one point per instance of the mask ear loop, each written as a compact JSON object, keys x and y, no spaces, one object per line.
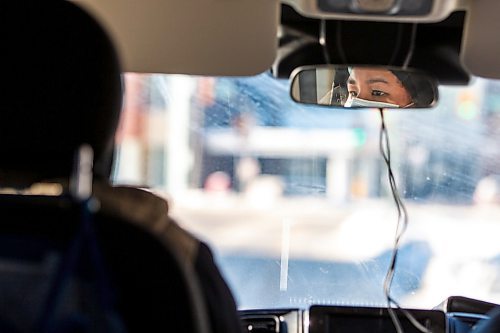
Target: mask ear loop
{"x":402,"y":225}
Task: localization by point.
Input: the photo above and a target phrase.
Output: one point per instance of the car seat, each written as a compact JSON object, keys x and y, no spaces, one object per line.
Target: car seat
{"x":60,"y":94}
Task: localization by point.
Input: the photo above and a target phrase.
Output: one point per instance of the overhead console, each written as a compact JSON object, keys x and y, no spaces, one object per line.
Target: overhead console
{"x":310,"y":41}
{"x":476,"y":51}
{"x":377,"y":10}
{"x":394,"y":8}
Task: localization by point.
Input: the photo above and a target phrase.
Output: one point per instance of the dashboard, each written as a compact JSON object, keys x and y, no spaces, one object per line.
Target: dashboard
{"x":454,"y":315}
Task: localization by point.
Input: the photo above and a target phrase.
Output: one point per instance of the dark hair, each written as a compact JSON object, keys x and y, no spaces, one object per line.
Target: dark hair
{"x":62,"y":88}
{"x":418,"y":86}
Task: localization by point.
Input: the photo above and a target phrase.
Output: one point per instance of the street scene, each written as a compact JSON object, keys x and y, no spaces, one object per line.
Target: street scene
{"x":294,"y":200}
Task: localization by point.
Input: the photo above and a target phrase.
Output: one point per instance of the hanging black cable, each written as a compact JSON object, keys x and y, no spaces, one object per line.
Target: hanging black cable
{"x":402,"y":225}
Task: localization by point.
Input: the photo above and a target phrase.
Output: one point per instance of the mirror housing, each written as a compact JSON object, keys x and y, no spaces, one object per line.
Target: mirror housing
{"x":363,"y":87}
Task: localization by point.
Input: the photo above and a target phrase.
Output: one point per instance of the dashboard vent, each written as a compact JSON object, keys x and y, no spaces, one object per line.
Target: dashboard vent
{"x":260,"y":324}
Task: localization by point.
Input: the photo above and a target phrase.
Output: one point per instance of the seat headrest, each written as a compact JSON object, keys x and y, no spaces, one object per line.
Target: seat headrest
{"x":60,"y":87}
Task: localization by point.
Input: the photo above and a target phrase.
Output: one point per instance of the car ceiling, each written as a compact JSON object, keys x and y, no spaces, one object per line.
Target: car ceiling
{"x":238,"y":37}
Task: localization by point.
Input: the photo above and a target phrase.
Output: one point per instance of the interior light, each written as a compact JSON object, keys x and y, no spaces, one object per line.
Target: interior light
{"x":375,"y":6}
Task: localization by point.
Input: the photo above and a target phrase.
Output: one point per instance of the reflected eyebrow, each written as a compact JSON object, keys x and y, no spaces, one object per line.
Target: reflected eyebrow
{"x":351,"y":81}
{"x":377,"y":80}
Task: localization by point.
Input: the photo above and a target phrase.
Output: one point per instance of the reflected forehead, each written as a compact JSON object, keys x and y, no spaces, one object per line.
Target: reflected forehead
{"x":371,"y":76}
{"x":377,"y":80}
{"x":369,"y":80}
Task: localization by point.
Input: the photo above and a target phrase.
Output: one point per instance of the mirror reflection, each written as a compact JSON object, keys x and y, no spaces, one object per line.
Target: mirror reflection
{"x":363,"y":87}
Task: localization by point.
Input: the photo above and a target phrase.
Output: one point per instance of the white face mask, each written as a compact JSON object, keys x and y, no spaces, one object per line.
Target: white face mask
{"x":364,"y":103}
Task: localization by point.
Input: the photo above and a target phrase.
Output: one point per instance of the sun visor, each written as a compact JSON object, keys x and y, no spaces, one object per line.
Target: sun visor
{"x":481,"y":47}
{"x":198,"y":37}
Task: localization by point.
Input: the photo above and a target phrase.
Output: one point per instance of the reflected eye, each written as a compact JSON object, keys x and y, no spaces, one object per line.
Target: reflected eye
{"x":353,"y":93}
{"x":378,"y":93}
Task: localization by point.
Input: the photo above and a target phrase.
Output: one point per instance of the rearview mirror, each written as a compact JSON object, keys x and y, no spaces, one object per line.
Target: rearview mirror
{"x":363,"y":87}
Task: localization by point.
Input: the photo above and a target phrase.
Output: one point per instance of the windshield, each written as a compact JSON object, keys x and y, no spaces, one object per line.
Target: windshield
{"x":294,"y":199}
